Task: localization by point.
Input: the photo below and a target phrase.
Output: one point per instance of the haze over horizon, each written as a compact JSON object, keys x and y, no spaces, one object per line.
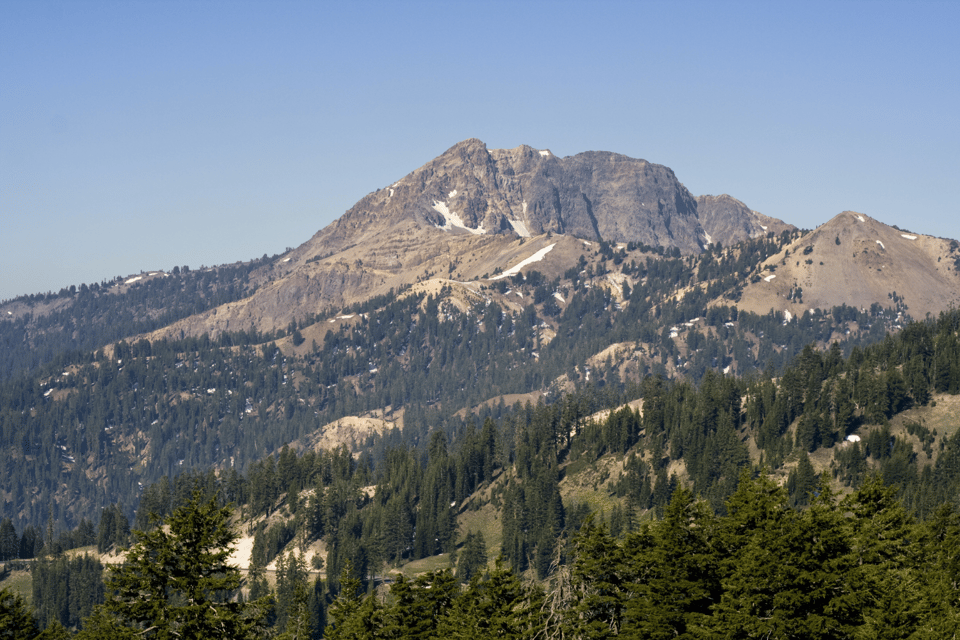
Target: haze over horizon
{"x":142,"y":136}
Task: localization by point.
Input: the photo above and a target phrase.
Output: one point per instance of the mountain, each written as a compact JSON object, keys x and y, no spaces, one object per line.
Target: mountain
{"x":487,"y":358}
{"x":728,"y":221}
{"x":461,"y":214}
{"x":482,"y":279}
{"x":858,"y":261}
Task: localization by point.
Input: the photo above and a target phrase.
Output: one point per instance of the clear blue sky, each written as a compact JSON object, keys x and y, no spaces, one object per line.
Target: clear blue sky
{"x":141,"y":135}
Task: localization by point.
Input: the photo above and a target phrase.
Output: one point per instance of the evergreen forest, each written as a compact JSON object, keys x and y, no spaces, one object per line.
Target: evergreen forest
{"x":591,"y":462}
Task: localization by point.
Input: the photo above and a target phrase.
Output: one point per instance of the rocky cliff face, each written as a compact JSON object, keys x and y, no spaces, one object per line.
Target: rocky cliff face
{"x":471,"y":202}
{"x":471,"y":189}
{"x":728,"y":221}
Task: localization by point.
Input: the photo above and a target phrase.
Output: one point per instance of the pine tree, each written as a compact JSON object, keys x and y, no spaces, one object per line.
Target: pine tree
{"x":16,"y":621}
{"x":101,"y":625}
{"x":496,"y":606}
{"x":473,"y":557}
{"x":677,"y":573}
{"x":784,"y":573}
{"x":418,"y":605}
{"x":293,"y":613}
{"x":884,"y":576}
{"x":802,"y":481}
{"x":598,"y":580}
{"x":55,"y":631}
{"x":176,"y":581}
{"x":9,"y":541}
{"x":351,"y":616}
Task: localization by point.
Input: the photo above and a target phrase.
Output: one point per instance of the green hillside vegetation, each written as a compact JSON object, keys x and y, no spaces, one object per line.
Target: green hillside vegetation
{"x":670,"y":514}
{"x":47,"y":327}
{"x":684,"y":468}
{"x":850,"y":567}
{"x":91,"y":429}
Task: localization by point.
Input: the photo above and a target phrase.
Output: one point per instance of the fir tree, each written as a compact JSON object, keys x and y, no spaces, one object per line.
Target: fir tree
{"x":16,"y":621}
{"x":176,"y":580}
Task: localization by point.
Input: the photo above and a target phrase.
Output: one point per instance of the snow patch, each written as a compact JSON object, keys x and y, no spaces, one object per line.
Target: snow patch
{"x":452,"y":194}
{"x":519,"y":227}
{"x":770,"y":277}
{"x":587,"y":244}
{"x":558,"y":297}
{"x":787,"y":317}
{"x":707,"y":236}
{"x":9,"y":313}
{"x":453,"y":219}
{"x":49,"y":391}
{"x":908,"y":236}
{"x":391,"y":193}
{"x":853,"y":438}
{"x":881,"y":245}
{"x":860,"y":218}
{"x":763,"y":227}
{"x":286,"y":259}
{"x":537,"y":257}
{"x":726,"y":369}
{"x":134,"y":279}
{"x":545,"y":153}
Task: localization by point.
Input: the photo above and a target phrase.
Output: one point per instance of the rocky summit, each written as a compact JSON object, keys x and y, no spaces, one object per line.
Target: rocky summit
{"x":477,"y":202}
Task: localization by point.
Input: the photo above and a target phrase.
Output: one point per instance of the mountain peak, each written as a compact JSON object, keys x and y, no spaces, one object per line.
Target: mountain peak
{"x":471,"y":199}
{"x":856,"y":260}
{"x":728,"y":221}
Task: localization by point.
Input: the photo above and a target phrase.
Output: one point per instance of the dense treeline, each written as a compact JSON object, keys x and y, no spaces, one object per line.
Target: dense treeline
{"x":65,"y":590}
{"x":411,"y":500}
{"x":793,"y":553}
{"x":101,"y":427}
{"x":850,"y":568}
{"x":817,"y":402}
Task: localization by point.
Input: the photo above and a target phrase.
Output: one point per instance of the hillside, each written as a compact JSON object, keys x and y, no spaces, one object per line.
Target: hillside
{"x":858,"y":261}
{"x":504,"y":354}
{"x":461,"y":215}
{"x":403,"y":316}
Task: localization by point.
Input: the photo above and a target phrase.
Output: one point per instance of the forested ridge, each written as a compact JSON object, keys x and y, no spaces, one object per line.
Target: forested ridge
{"x":92,"y":427}
{"x":85,"y":318}
{"x":655,"y":415}
{"x":699,"y":540}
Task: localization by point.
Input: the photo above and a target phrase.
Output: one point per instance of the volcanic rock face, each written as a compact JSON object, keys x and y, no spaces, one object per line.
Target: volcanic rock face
{"x":634,"y":200}
{"x":594,"y":195}
{"x":470,"y":202}
{"x":728,"y":221}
